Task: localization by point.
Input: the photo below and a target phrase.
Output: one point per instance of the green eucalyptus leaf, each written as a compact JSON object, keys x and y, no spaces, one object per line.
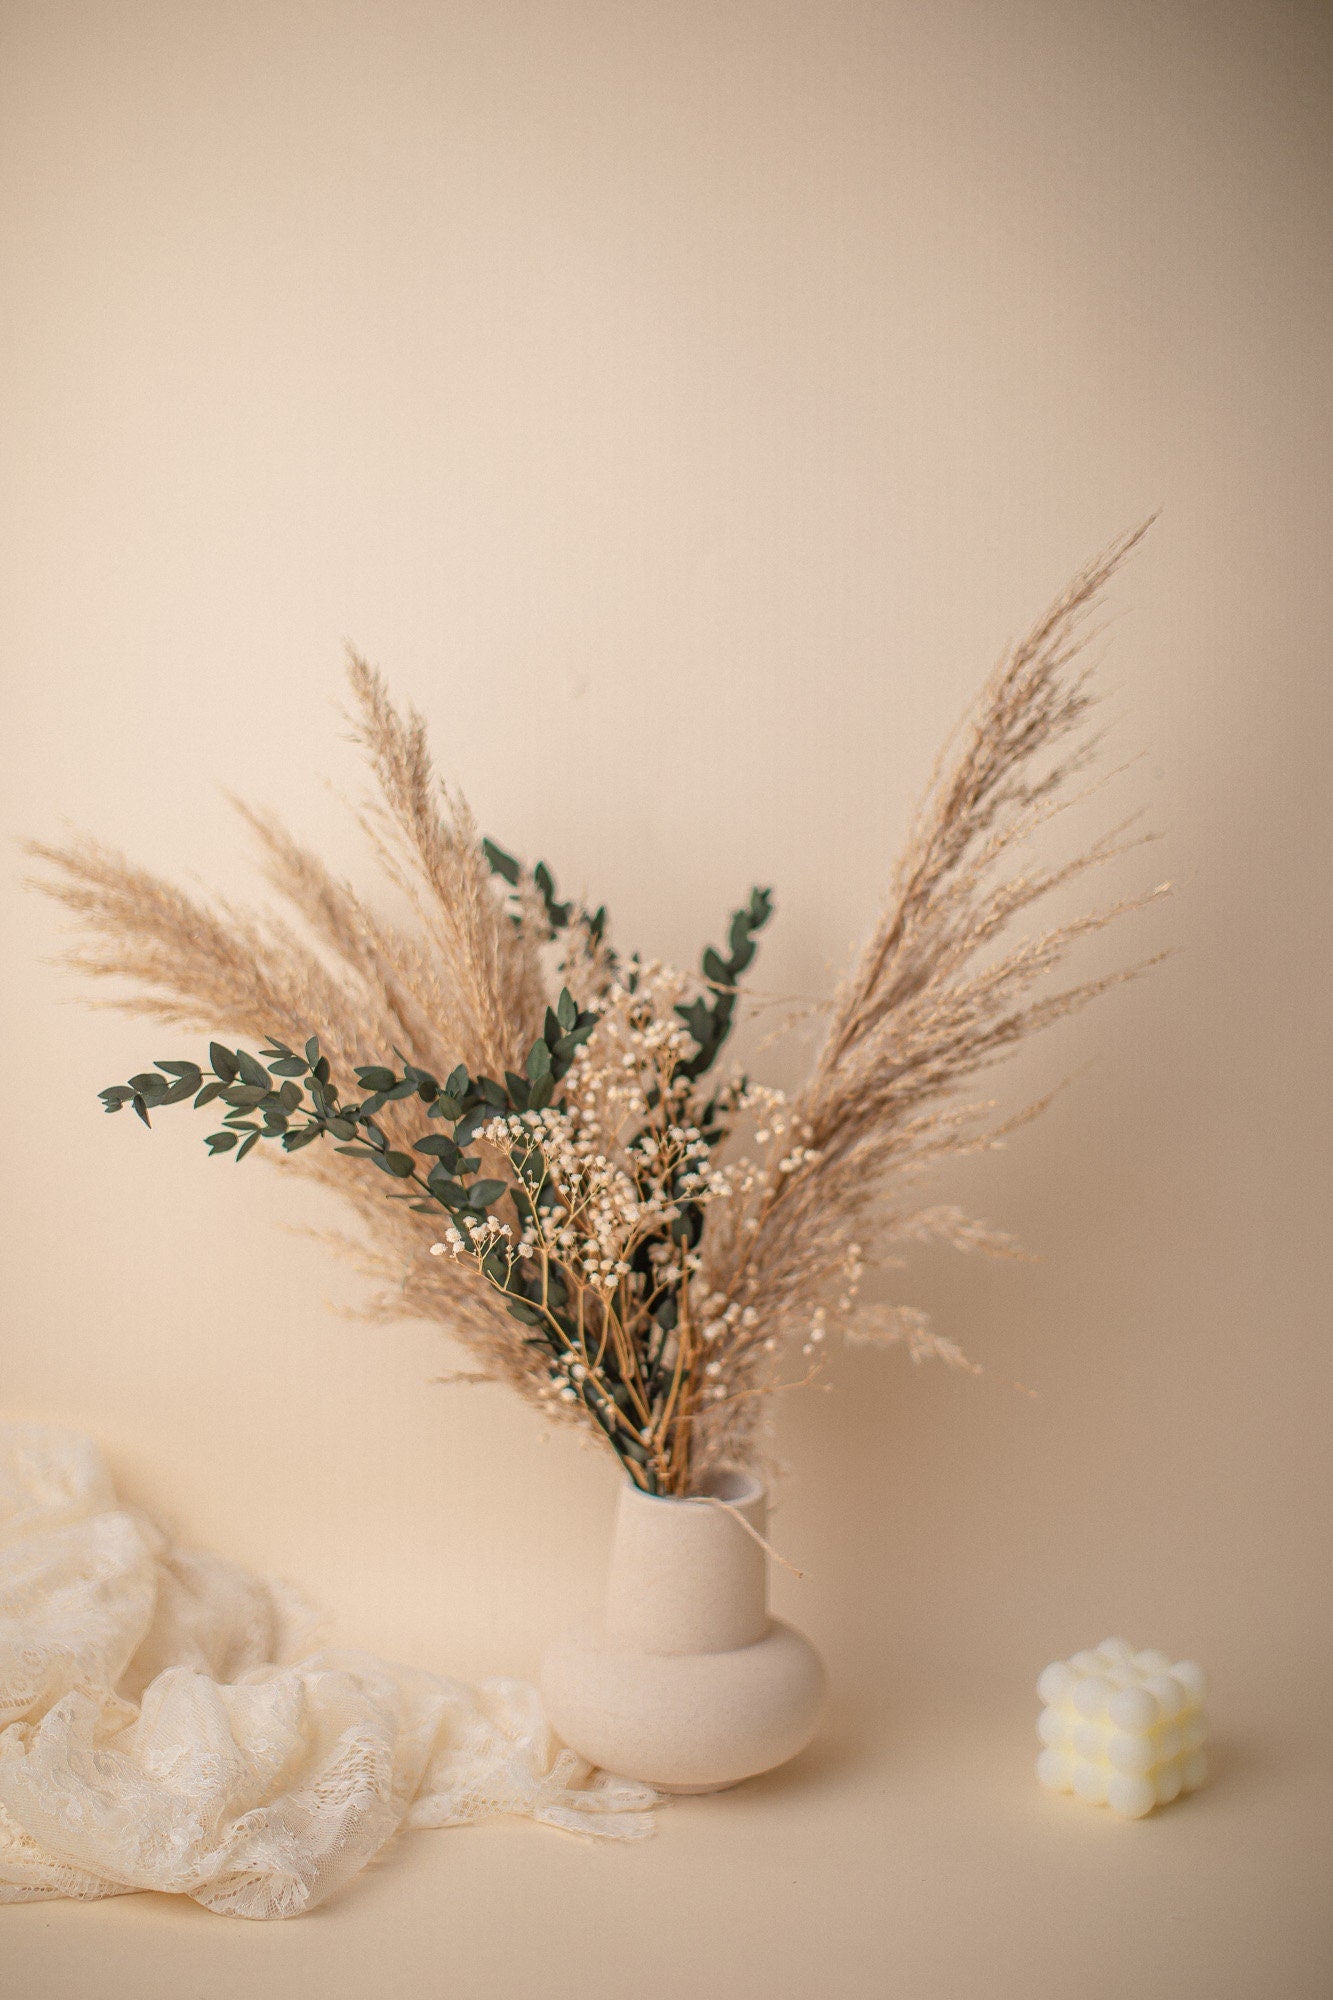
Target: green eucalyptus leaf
{"x":220,"y":1142}
{"x":207,"y":1094}
{"x":376,"y":1077}
{"x":482,"y":1193}
{"x":566,"y":1011}
{"x":251,"y":1071}
{"x":223,"y":1061}
{"x":501,"y":863}
{"x":447,"y":1191}
{"x":244,"y":1096}
{"x":539,"y":1061}
{"x":341,"y":1128}
{"x":520,"y":1310}
{"x":245,"y":1146}
{"x":398,"y":1164}
{"x":181,"y":1069}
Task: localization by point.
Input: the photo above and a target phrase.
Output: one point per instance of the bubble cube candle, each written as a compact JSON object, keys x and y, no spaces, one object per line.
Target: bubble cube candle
{"x":1122,"y":1729}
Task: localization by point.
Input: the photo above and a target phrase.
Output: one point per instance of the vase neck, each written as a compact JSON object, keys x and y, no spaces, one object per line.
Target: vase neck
{"x":686,"y":1576}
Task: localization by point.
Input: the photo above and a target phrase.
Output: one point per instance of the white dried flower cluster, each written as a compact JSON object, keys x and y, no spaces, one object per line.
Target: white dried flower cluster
{"x":725,"y":1327}
{"x":598,"y":1185}
{"x":625,"y":1075}
{"x":781,"y":1135}
{"x":844,"y":1304}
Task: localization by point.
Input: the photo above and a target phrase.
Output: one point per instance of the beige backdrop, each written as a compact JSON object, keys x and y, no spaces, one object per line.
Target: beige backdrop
{"x":683,"y":403}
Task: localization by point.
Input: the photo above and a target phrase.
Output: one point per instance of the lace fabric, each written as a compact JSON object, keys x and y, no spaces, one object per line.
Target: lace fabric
{"x":164,"y":1725}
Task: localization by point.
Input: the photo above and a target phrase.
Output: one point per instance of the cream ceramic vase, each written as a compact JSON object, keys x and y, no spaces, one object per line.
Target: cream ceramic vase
{"x":686,"y":1682}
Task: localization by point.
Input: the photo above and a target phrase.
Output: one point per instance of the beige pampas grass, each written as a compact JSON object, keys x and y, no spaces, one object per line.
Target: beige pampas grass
{"x":926,"y":1009}
{"x":772,"y":1250}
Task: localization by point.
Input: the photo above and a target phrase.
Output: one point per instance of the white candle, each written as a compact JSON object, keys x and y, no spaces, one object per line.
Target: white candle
{"x":1121,"y":1728}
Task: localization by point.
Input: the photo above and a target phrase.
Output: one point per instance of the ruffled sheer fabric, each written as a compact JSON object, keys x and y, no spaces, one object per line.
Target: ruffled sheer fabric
{"x":164,"y":1725}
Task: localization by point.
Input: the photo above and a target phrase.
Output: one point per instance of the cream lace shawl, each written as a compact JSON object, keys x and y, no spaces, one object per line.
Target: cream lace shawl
{"x":162,"y":1725}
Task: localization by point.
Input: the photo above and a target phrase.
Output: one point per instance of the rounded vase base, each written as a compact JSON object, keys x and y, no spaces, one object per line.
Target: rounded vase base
{"x":684,"y":1722}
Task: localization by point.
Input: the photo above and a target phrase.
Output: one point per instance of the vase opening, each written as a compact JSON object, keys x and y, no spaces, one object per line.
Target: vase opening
{"x":736,"y":1489}
{"x":733,"y":1489}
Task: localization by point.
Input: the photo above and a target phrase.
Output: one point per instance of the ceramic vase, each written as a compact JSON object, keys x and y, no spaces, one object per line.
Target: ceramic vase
{"x":685,"y":1681}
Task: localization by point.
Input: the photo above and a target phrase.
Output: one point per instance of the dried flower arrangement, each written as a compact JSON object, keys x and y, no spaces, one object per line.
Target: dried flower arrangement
{"x":563,"y":1202}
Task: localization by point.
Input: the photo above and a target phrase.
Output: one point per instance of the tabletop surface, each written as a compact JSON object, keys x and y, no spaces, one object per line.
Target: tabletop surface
{"x":910,"y":1852}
